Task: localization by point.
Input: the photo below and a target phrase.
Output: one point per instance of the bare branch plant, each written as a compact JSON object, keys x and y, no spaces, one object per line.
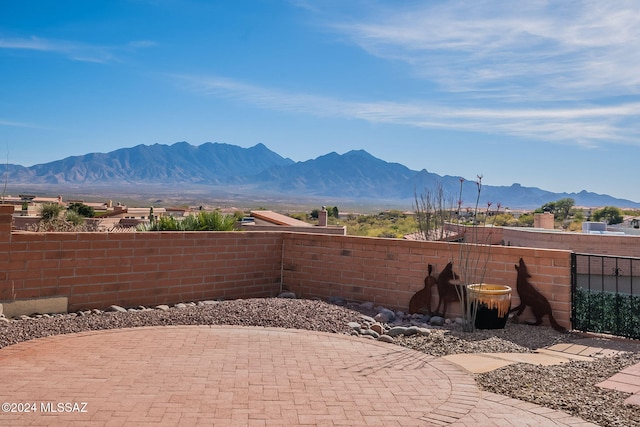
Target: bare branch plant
{"x":466,"y":233}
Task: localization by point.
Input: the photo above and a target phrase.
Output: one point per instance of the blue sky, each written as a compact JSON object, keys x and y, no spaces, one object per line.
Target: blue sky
{"x":544,"y":94}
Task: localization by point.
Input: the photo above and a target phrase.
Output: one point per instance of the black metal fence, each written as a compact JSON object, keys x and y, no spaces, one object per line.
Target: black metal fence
{"x":606,"y":294}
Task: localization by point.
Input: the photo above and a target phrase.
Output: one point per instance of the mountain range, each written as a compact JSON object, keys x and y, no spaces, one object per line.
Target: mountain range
{"x":355,"y":175}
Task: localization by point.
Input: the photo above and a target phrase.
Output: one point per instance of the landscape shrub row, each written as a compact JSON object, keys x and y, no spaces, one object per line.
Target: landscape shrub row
{"x":607,"y":312}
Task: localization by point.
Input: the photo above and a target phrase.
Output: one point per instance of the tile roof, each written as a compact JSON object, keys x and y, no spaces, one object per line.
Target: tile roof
{"x":279,"y":219}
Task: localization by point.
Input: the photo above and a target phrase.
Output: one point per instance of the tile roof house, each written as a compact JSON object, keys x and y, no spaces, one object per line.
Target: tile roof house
{"x":264,"y":220}
{"x":274,"y":218}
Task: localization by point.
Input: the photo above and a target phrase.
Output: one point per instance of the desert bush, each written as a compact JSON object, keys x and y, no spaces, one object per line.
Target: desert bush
{"x":74,"y":217}
{"x":52,"y":220}
{"x":203,"y":221}
{"x":504,"y":220}
{"x":61,"y":225}
{"x":215,"y":221}
{"x":526,"y":220}
{"x":379,"y":225}
{"x":164,"y":223}
{"x":50,"y":211}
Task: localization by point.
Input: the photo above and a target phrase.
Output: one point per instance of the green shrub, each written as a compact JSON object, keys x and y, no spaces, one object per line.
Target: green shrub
{"x":74,"y":217}
{"x":203,"y":221}
{"x":215,"y":221}
{"x":81,"y":209}
{"x":607,"y":312}
{"x":50,"y":211}
{"x":164,"y":223}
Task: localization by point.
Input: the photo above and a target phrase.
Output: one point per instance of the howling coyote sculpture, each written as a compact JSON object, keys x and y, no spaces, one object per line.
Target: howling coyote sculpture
{"x":447,"y":291}
{"x":422,"y":298}
{"x":530,"y":296}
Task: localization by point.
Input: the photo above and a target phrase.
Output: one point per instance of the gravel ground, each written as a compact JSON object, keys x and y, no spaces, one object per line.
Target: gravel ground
{"x":569,"y":387}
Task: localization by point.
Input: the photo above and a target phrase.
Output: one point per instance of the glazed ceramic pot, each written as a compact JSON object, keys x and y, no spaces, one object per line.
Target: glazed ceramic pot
{"x":494,"y":302}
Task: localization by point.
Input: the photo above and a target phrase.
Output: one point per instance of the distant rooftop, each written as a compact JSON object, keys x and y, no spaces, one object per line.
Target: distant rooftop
{"x":279,"y":219}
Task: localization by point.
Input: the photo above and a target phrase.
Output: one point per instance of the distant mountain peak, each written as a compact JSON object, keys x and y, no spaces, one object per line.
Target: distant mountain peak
{"x":355,"y":175}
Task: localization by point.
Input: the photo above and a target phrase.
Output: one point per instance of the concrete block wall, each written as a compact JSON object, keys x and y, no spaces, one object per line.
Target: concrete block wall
{"x":478,"y":234}
{"x":600,"y":244}
{"x":6,"y":221}
{"x":96,"y":270}
{"x":388,"y":271}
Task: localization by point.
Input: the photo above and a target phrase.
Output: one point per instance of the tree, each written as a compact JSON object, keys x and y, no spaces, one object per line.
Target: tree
{"x":609,"y":214}
{"x":565,"y":206}
{"x":82,"y":209}
{"x":560,"y":208}
{"x":332,"y":211}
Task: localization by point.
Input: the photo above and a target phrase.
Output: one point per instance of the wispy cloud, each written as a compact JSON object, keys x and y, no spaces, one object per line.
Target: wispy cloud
{"x":15,"y":124}
{"x":552,"y":71}
{"x":584,"y":125}
{"x":73,"y":50}
{"x":554,"y":50}
{"x":260,"y":96}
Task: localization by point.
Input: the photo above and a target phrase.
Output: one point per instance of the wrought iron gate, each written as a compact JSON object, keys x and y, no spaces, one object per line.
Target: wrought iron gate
{"x":605,"y":292}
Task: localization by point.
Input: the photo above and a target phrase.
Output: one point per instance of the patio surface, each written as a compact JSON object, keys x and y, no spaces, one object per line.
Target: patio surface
{"x":240,"y":376}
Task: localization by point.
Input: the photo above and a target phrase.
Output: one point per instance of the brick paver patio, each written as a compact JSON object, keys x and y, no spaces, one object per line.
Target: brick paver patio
{"x":235,"y":376}
{"x":628,"y":381}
